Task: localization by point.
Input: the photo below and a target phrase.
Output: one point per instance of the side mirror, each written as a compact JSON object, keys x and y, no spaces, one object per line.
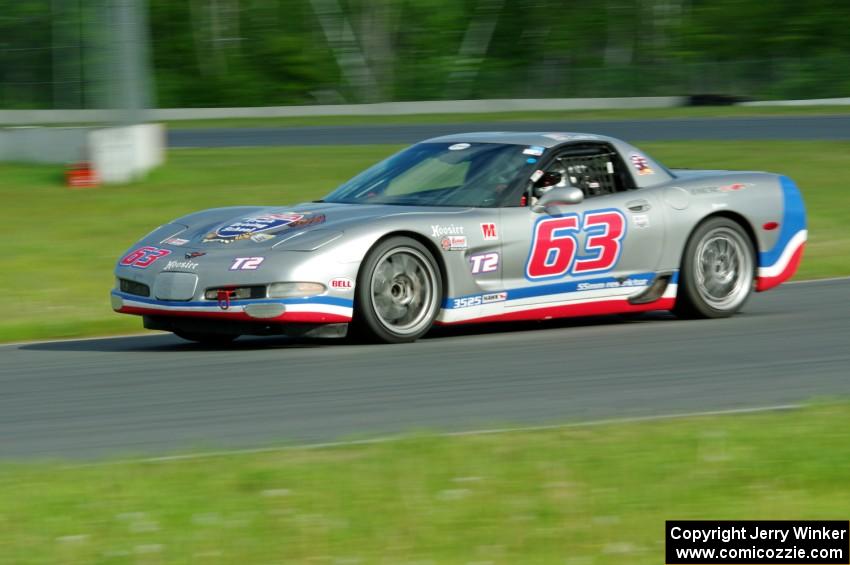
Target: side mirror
{"x":560,"y":196}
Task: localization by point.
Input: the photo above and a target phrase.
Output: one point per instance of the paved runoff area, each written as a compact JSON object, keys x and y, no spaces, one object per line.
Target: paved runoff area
{"x":670,"y":129}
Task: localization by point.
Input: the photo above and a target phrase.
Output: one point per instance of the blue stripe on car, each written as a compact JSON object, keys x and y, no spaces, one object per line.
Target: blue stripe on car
{"x":329,"y":300}
{"x":793,"y":220}
{"x":557,"y":288}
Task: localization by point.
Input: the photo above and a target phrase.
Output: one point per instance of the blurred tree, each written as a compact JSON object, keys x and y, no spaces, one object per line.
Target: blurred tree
{"x":269,"y":52}
{"x":230,"y":53}
{"x":25,"y":54}
{"x":347,"y":49}
{"x":473,"y":48}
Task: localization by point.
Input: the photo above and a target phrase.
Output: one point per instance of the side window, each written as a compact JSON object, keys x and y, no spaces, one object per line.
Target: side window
{"x":594,"y":169}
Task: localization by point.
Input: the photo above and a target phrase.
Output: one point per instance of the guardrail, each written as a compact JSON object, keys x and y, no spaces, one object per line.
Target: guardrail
{"x":814,"y":102}
{"x":56,"y":117}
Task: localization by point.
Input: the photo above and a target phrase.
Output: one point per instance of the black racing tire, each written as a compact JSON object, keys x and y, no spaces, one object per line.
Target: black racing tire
{"x":207,"y":339}
{"x":398,"y":293}
{"x":718,"y":270}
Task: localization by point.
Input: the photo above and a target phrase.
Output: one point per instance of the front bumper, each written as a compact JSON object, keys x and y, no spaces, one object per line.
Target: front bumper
{"x":313,"y":310}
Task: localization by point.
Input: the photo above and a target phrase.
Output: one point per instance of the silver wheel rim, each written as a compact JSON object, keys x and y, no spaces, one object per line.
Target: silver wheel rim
{"x":724,"y":269}
{"x":402,"y":288}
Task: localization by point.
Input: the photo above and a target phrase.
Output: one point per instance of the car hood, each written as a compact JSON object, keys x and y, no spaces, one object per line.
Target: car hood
{"x":297,"y":228}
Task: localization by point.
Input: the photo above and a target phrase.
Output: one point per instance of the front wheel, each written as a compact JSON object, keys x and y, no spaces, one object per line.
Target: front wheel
{"x":398,"y":292}
{"x":718,"y":270}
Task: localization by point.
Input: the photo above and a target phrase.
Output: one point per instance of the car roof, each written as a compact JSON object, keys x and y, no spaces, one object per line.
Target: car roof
{"x":657,"y":174}
{"x":542,"y":139}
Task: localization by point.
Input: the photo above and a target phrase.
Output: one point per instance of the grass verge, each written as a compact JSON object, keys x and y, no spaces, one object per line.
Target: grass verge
{"x":60,"y":244}
{"x":589,"y":496}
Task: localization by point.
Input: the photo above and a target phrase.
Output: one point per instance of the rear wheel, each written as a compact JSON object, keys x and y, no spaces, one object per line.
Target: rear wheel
{"x":718,"y":269}
{"x":398,"y":292}
{"x":207,"y":339}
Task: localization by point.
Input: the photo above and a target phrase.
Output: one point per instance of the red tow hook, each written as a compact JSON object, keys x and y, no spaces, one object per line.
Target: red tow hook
{"x":223,"y":296}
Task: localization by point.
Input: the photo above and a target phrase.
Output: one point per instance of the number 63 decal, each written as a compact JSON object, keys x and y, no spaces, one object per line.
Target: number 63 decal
{"x":143,"y":257}
{"x":554,"y":244}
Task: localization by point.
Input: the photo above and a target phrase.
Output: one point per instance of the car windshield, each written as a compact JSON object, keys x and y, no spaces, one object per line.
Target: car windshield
{"x":443,"y":174}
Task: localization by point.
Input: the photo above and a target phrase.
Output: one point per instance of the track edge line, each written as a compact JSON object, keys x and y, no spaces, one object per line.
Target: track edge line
{"x":483,"y":431}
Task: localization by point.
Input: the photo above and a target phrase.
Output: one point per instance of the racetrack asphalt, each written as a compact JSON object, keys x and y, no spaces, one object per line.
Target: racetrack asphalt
{"x":670,"y":129}
{"x":136,"y":396}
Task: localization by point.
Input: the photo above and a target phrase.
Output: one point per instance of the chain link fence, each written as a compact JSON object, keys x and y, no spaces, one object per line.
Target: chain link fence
{"x":61,"y":54}
{"x":764,"y":79}
{"x":74,"y":54}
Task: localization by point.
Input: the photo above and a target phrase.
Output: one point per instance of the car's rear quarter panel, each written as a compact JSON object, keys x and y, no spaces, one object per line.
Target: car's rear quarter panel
{"x":769,"y":205}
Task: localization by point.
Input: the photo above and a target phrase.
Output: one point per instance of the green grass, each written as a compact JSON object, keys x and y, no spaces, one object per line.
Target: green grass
{"x":575,"y":496}
{"x":61,"y":244}
{"x":625,"y":114}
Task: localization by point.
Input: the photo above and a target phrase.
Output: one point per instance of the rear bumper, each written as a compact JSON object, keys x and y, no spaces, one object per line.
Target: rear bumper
{"x":784,"y":267}
{"x":778,"y":264}
{"x":313,"y":310}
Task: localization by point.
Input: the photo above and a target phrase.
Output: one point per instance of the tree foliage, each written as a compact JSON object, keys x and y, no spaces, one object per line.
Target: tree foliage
{"x":274,"y":52}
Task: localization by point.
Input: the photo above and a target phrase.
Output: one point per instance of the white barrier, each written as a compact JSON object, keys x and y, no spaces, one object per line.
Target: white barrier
{"x":119,"y":154}
{"x":44,"y":145}
{"x":123,"y":154}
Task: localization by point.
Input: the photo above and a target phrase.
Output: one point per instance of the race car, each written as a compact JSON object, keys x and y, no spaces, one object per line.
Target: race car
{"x":471,"y":228}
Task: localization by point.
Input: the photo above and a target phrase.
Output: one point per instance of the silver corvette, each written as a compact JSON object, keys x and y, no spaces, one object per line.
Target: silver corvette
{"x":470,"y":228}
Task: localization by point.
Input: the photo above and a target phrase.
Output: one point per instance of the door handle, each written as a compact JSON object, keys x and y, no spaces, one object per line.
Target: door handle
{"x":638,"y":206}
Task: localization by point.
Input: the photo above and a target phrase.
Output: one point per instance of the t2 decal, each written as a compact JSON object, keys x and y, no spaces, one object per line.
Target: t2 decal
{"x":554,"y":245}
{"x":246,"y":263}
{"x":143,"y":257}
{"x":484,"y":263}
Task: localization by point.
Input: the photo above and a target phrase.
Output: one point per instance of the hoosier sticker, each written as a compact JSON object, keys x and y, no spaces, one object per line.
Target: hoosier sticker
{"x":440,"y":231}
{"x":181,"y":265}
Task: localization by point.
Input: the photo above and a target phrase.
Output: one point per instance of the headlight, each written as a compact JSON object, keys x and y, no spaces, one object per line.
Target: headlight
{"x":295,"y":289}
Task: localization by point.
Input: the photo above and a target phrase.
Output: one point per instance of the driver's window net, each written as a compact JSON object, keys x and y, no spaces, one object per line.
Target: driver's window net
{"x":593,"y":174}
